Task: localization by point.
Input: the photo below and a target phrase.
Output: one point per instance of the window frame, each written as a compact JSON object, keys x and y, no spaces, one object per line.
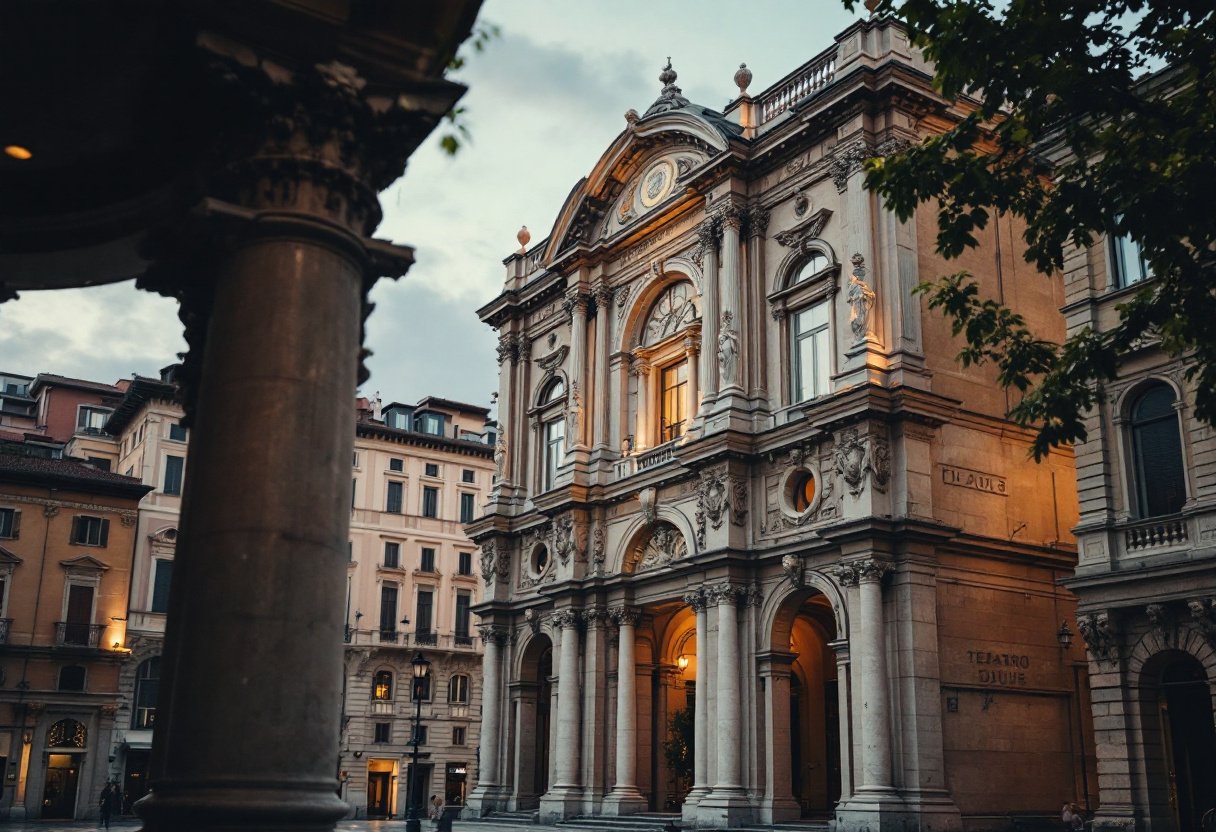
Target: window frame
{"x":394,"y":497}
{"x":464,"y":563}
{"x":103,"y":534}
{"x":468,"y":476}
{"x":82,"y":409}
{"x":796,"y":338}
{"x":157,"y":561}
{"x":395,"y":547}
{"x":426,"y":558}
{"x":146,"y":724}
{"x":468,"y":499}
{"x":1116,"y":262}
{"x":185,"y":433}
{"x":1137,"y":503}
{"x":430,"y":511}
{"x":680,"y":399}
{"x":14,"y":523}
{"x":431,"y":469}
{"x":793,"y":296}
{"x":459,"y":683}
{"x":164,"y":475}
{"x":390,"y":689}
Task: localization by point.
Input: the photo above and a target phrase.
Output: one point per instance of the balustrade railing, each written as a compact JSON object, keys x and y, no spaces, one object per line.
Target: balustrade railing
{"x":71,"y":634}
{"x":5,"y":625}
{"x":811,"y":77}
{"x":426,"y":638}
{"x":657,"y":456}
{"x":1154,"y":534}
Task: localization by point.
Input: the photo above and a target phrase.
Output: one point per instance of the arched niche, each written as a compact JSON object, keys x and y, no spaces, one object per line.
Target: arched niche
{"x":658,"y":544}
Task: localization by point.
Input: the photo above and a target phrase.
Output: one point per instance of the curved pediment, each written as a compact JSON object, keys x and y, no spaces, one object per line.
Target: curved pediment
{"x":641,"y":170}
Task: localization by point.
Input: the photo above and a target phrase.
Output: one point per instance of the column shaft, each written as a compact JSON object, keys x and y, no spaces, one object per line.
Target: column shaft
{"x":708,"y":234}
{"x":875,"y":723}
{"x":258,"y":556}
{"x":626,"y":712}
{"x":732,"y":338}
{"x":566,"y":762}
{"x":491,"y":709}
{"x":694,"y":382}
{"x":700,"y":776}
{"x":641,"y":431}
{"x":577,"y":440}
{"x":729,"y":715}
{"x":603,"y":404}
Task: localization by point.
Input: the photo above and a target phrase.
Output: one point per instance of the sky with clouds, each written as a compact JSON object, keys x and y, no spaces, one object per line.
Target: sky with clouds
{"x":546,"y":98}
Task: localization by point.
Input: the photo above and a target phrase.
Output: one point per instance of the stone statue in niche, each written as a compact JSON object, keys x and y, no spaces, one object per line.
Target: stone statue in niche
{"x":860,"y":298}
{"x":728,"y":350}
{"x":574,"y":411}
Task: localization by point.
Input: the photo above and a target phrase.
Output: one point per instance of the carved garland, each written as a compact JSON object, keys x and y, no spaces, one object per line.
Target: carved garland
{"x":719,"y":492}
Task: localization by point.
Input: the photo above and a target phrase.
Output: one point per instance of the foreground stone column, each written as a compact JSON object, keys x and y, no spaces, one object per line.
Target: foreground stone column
{"x":875,"y":726}
{"x":779,"y":803}
{"x":272,"y":271}
{"x":732,"y":336}
{"x":625,"y":799}
{"x":487,"y":794}
{"x":565,"y":794}
{"x":708,"y":233}
{"x":700,"y":752}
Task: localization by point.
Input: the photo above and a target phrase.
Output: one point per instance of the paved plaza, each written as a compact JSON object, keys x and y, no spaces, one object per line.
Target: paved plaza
{"x":343,"y":826}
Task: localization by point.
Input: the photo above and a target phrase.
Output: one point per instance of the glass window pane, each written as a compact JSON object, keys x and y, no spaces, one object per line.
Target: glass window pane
{"x":160,"y":585}
{"x":823,"y":362}
{"x":806,"y":367}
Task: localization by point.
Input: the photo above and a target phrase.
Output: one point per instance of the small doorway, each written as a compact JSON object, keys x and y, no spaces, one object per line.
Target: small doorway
{"x":420,"y":795}
{"x":814,"y":717}
{"x":381,"y":788}
{"x":454,"y":784}
{"x":62,"y":781}
{"x":134,"y":778}
{"x":1190,"y":747}
{"x":544,"y":702}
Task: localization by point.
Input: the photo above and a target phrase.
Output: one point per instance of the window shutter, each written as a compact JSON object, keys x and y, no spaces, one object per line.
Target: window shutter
{"x":105,"y":532}
{"x":75,"y":538}
{"x":16,"y":524}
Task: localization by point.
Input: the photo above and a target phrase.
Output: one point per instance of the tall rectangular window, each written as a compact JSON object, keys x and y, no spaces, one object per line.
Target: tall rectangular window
{"x":80,"y":615}
{"x":674,"y":401}
{"x":1128,"y":262}
{"x":426,"y":562}
{"x":388,"y":612}
{"x":465,"y":563}
{"x":458,"y":735}
{"x":174,"y":465}
{"x":426,"y":606}
{"x":555,"y":450}
{"x":812,"y":364}
{"x":466,"y":508}
{"x":354,"y":489}
{"x":392,"y":503}
{"x":176,"y":432}
{"x":392,"y":555}
{"x":383,"y":732}
{"x":160,"y":584}
{"x":10,"y":523}
{"x":90,"y":531}
{"x":430,"y":502}
{"x":463,"y":600}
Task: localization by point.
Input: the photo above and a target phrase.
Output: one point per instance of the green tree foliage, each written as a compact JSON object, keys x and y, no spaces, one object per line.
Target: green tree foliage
{"x":456,"y":129}
{"x":1094,"y":117}
{"x":678,"y":747}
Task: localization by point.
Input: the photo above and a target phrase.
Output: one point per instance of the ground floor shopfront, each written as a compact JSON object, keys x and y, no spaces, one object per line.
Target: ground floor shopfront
{"x":883,"y":692}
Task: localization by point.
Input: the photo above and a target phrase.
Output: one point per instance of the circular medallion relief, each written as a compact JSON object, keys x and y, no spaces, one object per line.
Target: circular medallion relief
{"x":656,"y":183}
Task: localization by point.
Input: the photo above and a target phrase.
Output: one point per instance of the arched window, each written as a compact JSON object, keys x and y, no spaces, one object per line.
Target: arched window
{"x":66,"y":733}
{"x":555,"y":390}
{"x":817,"y":262}
{"x":674,"y":310}
{"x":458,"y":690}
{"x":1157,"y":450}
{"x":147,"y":689}
{"x":71,"y":677}
{"x":382,"y":685}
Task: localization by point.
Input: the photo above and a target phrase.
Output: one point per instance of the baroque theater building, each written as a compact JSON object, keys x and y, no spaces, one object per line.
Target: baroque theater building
{"x":759,"y":548}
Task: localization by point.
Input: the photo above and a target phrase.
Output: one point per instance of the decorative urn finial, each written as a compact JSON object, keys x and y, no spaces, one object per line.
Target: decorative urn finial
{"x":743,"y":77}
{"x":871,"y":5}
{"x":668,"y":75}
{"x":524,"y":236}
{"x":631,"y":116}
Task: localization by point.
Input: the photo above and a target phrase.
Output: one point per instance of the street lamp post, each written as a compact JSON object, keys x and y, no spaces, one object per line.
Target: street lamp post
{"x":421,"y":668}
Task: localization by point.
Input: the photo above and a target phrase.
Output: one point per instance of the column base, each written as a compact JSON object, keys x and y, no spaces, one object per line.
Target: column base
{"x":624,"y":801}
{"x":203,"y":806}
{"x":485,"y":799}
{"x":724,"y":809}
{"x":884,"y":810}
{"x":778,"y":810}
{"x":694,"y":797}
{"x":559,"y":803}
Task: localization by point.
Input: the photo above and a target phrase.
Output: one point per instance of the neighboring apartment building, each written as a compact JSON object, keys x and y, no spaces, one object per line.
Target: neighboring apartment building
{"x":420,"y":472}
{"x":146,"y":428}
{"x":18,"y":408}
{"x":1146,"y":579}
{"x":746,"y":485}
{"x":67,"y":533}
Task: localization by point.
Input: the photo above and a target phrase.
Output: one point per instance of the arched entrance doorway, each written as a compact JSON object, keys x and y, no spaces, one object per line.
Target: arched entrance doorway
{"x":66,"y":743}
{"x":1183,"y":712}
{"x":532,"y":703}
{"x":802,"y":677}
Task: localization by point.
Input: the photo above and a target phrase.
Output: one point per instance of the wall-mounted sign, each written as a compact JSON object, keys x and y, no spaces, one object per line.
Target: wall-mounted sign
{"x":1008,"y":669}
{"x":965,"y":478}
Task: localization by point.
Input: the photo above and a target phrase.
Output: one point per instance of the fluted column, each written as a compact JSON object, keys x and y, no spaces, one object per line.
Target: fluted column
{"x":725,"y":596}
{"x":732,"y":334}
{"x":700,"y":756}
{"x":625,"y":797}
{"x":872,"y":658}
{"x":565,"y":794}
{"x":576,"y":438}
{"x":490,"y":756}
{"x":603,"y":404}
{"x":708,"y":234}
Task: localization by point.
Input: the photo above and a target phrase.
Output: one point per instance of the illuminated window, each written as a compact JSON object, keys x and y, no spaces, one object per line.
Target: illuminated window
{"x":382,"y":685}
{"x":674,"y":401}
{"x":802,"y":491}
{"x":458,"y":690}
{"x":817,"y":263}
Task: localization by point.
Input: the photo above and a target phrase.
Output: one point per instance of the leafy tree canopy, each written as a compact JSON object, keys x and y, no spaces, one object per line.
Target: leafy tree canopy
{"x":1094,"y":117}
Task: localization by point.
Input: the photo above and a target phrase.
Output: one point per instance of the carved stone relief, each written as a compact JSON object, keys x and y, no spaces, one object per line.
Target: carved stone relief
{"x":661,"y":545}
{"x":860,"y":298}
{"x":860,"y":459}
{"x":718,"y":493}
{"x":1097,"y":630}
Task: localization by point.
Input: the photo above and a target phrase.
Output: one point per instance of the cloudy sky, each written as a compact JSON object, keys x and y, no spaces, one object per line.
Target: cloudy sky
{"x":546,"y":99}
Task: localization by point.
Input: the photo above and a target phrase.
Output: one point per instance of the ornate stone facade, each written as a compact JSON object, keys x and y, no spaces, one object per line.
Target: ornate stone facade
{"x":821,"y":526}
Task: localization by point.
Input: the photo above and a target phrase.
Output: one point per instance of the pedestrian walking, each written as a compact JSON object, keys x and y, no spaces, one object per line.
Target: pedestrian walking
{"x":436,"y":809}
{"x":108,"y":802}
{"x":1073,"y":817}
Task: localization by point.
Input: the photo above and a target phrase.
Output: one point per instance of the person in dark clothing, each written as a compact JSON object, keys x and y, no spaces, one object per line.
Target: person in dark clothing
{"x":108,"y":803}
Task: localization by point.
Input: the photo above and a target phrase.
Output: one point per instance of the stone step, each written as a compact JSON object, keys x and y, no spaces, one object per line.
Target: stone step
{"x":642,"y":822}
{"x":526,"y":816}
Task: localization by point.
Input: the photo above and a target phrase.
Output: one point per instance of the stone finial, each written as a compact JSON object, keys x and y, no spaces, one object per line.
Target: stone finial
{"x":524,"y":237}
{"x":871,"y":5}
{"x":631,"y":116}
{"x":743,"y":77}
{"x":668,"y":76}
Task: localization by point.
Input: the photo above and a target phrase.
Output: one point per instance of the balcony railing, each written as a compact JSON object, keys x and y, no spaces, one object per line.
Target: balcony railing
{"x":5,"y":625}
{"x":658,"y":455}
{"x":69,"y":634}
{"x":388,"y":636}
{"x":1156,"y":534}
{"x":811,"y":77}
{"x":426,"y":638}
{"x":463,"y":640}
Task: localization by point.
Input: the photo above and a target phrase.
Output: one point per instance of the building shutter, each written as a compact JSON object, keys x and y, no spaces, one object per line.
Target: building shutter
{"x":16,"y":524}
{"x":105,"y":533}
{"x":75,"y":538}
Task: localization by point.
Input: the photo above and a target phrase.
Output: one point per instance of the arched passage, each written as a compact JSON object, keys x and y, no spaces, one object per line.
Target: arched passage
{"x":531,"y":708}
{"x":803,"y":695}
{"x":1176,"y":709}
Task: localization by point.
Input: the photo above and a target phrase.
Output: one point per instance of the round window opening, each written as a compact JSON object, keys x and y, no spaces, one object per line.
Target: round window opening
{"x":801,"y":492}
{"x":540,"y":559}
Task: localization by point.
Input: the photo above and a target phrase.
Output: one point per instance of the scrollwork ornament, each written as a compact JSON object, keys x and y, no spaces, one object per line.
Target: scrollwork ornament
{"x":873,"y":570}
{"x":713,"y":500}
{"x":1098,"y":633}
{"x":722,"y":594}
{"x":487,"y":559}
{"x":493,"y":633}
{"x":625,"y":615}
{"x":695,"y":599}
{"x":566,"y":619}
{"x":846,"y":161}
{"x":792,"y":566}
{"x":595,"y":616}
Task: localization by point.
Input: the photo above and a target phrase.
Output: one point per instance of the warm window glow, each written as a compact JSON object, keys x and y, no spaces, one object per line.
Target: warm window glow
{"x":18,"y":152}
{"x":803,"y":491}
{"x":382,"y":685}
{"x":674,"y":401}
